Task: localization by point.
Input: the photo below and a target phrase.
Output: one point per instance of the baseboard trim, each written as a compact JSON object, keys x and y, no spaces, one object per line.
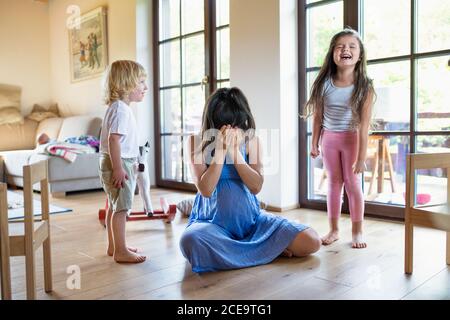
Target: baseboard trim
{"x":282,"y":209}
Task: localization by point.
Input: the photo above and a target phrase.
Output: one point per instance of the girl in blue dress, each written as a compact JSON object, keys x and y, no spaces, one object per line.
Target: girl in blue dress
{"x":227,"y":229}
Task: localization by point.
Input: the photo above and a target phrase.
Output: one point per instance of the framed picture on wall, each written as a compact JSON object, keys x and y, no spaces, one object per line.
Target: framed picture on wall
{"x":88,"y":45}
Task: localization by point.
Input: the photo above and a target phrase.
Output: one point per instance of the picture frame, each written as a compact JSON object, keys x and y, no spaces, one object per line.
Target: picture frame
{"x":88,"y":45}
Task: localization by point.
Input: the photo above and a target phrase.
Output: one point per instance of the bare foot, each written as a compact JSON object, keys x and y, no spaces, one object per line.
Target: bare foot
{"x":357,"y":241}
{"x":110,"y":251}
{"x":286,"y":253}
{"x":331,"y":237}
{"x":129,"y":257}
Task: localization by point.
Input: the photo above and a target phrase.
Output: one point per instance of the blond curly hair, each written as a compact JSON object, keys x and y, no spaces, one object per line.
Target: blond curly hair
{"x":122,"y":77}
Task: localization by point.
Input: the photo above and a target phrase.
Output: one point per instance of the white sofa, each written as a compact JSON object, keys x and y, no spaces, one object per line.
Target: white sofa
{"x":17,"y":148}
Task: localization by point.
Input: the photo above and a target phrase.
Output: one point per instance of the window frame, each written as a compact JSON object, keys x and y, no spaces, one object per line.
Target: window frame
{"x":209,"y":86}
{"x":353,"y":15}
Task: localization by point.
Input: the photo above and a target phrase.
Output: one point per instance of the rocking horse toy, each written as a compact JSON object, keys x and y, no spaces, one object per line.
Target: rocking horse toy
{"x":143,"y":182}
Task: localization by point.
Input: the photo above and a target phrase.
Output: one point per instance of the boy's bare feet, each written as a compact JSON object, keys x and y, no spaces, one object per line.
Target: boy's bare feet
{"x":129,"y":257}
{"x":357,"y":241}
{"x":110,"y":251}
{"x":331,"y":237}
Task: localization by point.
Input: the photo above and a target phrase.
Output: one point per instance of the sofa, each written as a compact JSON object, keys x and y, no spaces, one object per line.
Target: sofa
{"x":18,"y":148}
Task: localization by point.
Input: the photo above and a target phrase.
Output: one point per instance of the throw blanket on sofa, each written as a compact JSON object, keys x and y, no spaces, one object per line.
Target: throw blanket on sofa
{"x":66,"y":151}
{"x":85,"y":140}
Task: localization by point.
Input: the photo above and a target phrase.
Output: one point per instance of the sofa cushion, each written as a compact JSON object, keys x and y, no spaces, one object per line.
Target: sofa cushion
{"x":40,"y":113}
{"x":50,"y":126}
{"x":10,"y":96}
{"x":85,"y":166}
{"x":17,"y":136}
{"x":80,"y":125}
{"x":10,"y":115}
{"x":15,"y":160}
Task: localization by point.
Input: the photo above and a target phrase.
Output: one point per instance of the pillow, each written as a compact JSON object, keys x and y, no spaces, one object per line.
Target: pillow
{"x":10,"y":96}
{"x":185,"y":207}
{"x":10,"y":115}
{"x":39,"y":113}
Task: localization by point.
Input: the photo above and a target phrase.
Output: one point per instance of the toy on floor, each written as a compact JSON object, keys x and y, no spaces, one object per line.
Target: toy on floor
{"x":143,"y":182}
{"x":143,"y":178}
{"x":167,"y":213}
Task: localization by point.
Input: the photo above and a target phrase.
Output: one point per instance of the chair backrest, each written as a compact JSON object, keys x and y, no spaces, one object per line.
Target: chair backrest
{"x":32,"y":174}
{"x":415,"y":161}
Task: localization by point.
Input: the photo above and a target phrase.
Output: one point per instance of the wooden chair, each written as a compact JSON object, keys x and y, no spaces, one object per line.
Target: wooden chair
{"x":431,"y":216}
{"x":4,"y":245}
{"x":34,"y":234}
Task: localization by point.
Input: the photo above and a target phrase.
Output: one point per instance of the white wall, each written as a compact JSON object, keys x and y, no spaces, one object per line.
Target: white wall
{"x":86,"y":96}
{"x":263,"y":64}
{"x":289,"y":103}
{"x":24,"y":50}
{"x":144,"y":55}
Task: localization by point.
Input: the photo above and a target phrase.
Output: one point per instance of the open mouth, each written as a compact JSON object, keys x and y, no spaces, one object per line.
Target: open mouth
{"x":346,"y":56}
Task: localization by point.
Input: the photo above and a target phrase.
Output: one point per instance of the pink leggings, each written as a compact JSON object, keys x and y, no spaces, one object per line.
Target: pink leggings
{"x":339,"y":152}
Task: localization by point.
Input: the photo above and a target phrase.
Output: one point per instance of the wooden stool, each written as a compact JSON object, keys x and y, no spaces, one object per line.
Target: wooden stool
{"x":381,"y":156}
{"x":34,"y":234}
{"x":430,"y":216}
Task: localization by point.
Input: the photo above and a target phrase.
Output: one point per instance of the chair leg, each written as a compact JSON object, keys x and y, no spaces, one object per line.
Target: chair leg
{"x":5,"y":275}
{"x":5,"y":269}
{"x":408,"y":248}
{"x":374,"y":173}
{"x":391,"y":169}
{"x":448,"y":247}
{"x":48,"y":282}
{"x":30,"y":275}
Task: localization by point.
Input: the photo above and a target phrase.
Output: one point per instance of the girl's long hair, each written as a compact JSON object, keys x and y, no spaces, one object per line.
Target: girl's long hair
{"x":363,"y":84}
{"x":226,"y":106}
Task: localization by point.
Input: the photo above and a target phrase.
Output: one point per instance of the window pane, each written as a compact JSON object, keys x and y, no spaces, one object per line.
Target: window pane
{"x":379,"y":185}
{"x":223,"y":53}
{"x":433,"y":144}
{"x":433,"y":27}
{"x":392,"y":86}
{"x":223,"y":84}
{"x":193,"y":16}
{"x":194,"y":102}
{"x":186,"y":160}
{"x":169,"y":56}
{"x":310,"y":78}
{"x":169,"y":19}
{"x":171,"y":160}
{"x":170,"y":110}
{"x":222,"y":12}
{"x":323,"y":22}
{"x":317,"y":180}
{"x":432,"y":183}
{"x":387,"y":27}
{"x":433,"y":94}
{"x":193,"y":59}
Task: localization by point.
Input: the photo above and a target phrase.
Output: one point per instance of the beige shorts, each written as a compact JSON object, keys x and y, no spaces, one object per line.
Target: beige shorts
{"x":118,"y":199}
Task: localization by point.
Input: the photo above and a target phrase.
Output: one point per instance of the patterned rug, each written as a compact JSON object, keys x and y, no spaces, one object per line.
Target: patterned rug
{"x":15,"y":206}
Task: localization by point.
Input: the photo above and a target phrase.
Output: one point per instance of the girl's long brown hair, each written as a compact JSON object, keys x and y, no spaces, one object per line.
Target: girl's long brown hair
{"x":363,"y":85}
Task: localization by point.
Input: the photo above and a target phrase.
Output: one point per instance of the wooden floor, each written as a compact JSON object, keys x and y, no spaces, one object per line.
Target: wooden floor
{"x":335,"y":272}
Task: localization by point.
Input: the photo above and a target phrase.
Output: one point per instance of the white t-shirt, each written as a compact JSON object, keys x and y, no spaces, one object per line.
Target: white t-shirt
{"x":119,"y":119}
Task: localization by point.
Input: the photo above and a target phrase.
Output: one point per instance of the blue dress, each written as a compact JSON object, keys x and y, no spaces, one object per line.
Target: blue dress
{"x":229,"y":230}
